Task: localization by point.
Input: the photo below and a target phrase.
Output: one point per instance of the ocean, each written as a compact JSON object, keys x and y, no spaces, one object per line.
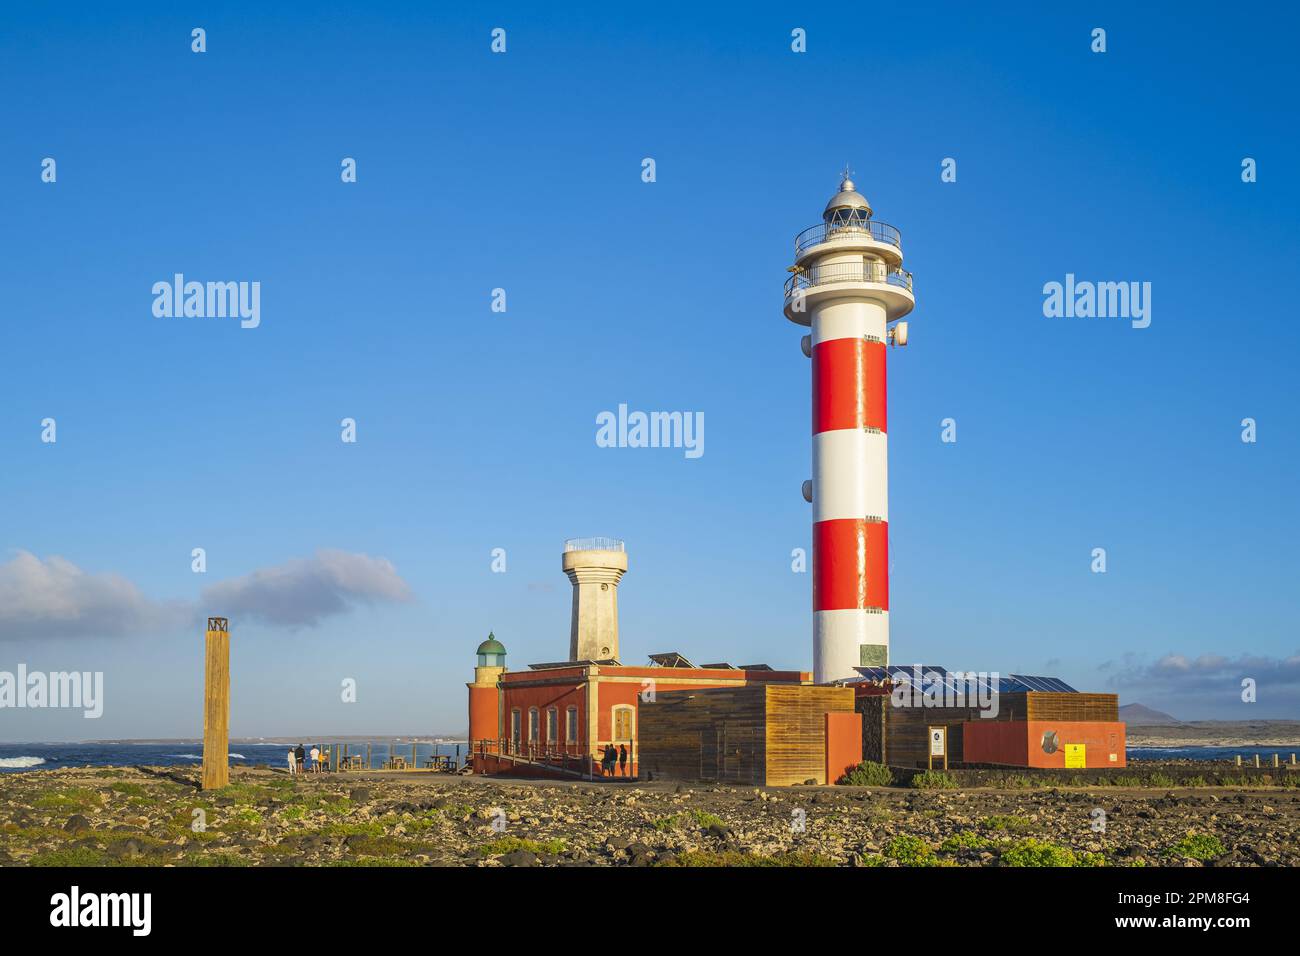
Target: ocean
{"x":42,"y":756}
{"x":1216,"y":753}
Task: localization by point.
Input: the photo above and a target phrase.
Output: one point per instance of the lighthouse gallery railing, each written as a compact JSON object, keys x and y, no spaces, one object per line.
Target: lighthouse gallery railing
{"x":829,"y":232}
{"x":848,"y":272}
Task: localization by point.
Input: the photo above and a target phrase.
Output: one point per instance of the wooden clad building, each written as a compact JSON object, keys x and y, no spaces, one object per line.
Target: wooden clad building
{"x":764,"y":735}
{"x":899,"y":735}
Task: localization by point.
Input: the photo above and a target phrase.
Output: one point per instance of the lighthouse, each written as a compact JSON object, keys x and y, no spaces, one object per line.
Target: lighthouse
{"x":849,"y":287}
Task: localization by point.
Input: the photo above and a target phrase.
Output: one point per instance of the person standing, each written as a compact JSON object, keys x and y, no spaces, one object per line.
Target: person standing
{"x":622,"y":760}
{"x":299,"y":756}
{"x":315,"y":760}
{"x":293,"y":763}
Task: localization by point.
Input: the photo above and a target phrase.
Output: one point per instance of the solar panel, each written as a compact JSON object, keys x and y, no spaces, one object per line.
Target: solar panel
{"x":755,"y":667}
{"x":931,"y":674}
{"x":670,"y":659}
{"x":718,"y":667}
{"x":1052,"y":685}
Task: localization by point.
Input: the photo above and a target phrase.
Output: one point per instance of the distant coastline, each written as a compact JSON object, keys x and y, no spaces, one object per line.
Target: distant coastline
{"x":1216,"y":733}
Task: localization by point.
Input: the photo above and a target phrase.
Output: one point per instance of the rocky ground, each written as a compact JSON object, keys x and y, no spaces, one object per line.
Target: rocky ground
{"x":158,"y":817}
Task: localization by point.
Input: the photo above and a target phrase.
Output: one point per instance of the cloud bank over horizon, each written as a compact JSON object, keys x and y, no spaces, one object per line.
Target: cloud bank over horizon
{"x":53,"y":598}
{"x":1207,"y":677}
{"x":304,"y":591}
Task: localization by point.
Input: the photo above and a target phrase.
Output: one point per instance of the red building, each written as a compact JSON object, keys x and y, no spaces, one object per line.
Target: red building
{"x":557,"y":719}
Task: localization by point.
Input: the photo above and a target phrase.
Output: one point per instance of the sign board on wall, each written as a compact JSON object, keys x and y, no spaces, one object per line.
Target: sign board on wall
{"x":938,"y":741}
{"x":1076,"y":755}
{"x":938,"y":746}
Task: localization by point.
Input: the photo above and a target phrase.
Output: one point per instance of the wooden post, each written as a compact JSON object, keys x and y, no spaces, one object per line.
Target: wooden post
{"x":368,"y":763}
{"x":216,"y":705}
{"x":1274,"y":760}
{"x":1256,"y":760}
{"x":413,"y":763}
{"x":1238,"y":760}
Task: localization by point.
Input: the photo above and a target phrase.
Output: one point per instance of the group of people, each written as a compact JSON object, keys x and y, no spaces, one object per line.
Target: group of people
{"x":612,"y":759}
{"x":298,"y":760}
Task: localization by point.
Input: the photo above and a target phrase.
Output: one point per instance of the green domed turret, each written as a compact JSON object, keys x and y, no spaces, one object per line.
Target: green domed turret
{"x":491,"y":653}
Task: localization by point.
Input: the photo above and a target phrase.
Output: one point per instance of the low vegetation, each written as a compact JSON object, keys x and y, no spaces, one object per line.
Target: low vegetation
{"x":509,"y":844}
{"x":868,"y":774}
{"x":1032,"y":852}
{"x":934,"y":780}
{"x":1198,"y":846}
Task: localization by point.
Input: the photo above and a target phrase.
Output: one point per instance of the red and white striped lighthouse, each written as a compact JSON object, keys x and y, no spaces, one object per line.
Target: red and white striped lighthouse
{"x":849,"y":286}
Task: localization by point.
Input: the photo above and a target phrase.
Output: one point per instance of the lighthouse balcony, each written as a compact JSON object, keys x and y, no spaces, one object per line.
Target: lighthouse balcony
{"x":856,"y":234}
{"x":869,"y":279}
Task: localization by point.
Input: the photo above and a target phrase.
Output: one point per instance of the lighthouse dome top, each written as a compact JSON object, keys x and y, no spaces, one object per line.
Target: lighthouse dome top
{"x":848,"y":202}
{"x":492,"y":646}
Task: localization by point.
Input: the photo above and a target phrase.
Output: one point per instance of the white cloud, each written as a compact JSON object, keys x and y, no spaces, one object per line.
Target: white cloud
{"x":301,"y":592}
{"x":53,"y":598}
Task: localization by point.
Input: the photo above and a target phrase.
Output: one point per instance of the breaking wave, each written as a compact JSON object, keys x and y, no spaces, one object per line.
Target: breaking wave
{"x":21,"y":761}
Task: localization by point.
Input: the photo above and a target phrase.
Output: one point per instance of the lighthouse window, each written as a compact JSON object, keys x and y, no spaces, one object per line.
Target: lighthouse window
{"x":571,"y":725}
{"x":552,"y":725}
{"x":532,"y":725}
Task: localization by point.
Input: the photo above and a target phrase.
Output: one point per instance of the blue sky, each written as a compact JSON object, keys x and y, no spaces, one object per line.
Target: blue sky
{"x":476,"y":429}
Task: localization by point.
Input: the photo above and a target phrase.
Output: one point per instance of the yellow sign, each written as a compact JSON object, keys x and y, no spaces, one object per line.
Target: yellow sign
{"x":1076,"y":755}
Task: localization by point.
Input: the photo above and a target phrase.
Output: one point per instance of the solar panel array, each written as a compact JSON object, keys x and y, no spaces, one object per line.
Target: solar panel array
{"x":1050,"y":684}
{"x":931,"y":675}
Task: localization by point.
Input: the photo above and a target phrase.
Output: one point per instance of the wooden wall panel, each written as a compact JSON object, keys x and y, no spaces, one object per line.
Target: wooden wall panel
{"x":1098,"y":708}
{"x":771,"y":735}
{"x":708,"y":734}
{"x":796,"y":731}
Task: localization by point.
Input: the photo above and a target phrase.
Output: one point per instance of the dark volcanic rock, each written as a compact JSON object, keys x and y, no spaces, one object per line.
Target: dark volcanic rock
{"x":519,"y":858}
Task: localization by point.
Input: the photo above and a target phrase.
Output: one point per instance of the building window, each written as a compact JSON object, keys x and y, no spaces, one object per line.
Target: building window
{"x":532,"y":725}
{"x":571,"y":725}
{"x":552,"y":725}
{"x":623,"y":722}
{"x":514,"y":729}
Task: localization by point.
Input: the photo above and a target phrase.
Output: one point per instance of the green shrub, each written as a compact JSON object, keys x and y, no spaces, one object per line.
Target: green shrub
{"x":1032,"y":852}
{"x":706,"y":820}
{"x":1198,"y":846}
{"x":868,"y":774}
{"x":934,"y":780}
{"x":908,"y":850}
{"x":965,"y":840}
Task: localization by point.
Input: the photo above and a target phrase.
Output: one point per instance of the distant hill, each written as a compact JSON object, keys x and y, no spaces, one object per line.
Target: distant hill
{"x":1138,"y":715}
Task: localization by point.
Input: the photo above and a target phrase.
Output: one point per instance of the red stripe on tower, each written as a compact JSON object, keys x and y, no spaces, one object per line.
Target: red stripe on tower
{"x":850,"y":564}
{"x":848,"y":385}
